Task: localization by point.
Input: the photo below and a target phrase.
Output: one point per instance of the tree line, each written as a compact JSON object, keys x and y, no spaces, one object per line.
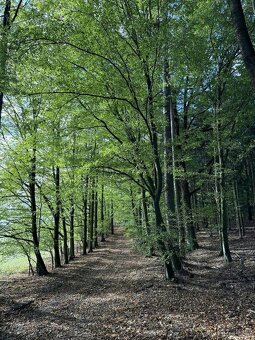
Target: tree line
{"x":138,"y":109}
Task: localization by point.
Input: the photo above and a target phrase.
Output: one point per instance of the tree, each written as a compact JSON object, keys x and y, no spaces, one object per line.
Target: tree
{"x":243,"y":37}
{"x":8,"y":21}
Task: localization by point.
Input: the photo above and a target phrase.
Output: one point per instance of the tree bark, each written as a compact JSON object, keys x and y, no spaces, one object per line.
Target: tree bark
{"x":57,"y":218}
{"x":4,"y":51}
{"x":191,"y":237}
{"x":72,"y":251}
{"x":168,"y":156}
{"x":40,"y":265}
{"x":66,"y":259}
{"x":96,"y":220}
{"x":85,"y":217}
{"x":111,"y":219}
{"x":147,"y":223}
{"x":91,"y":217}
{"x":243,"y":37}
{"x":102,"y":215}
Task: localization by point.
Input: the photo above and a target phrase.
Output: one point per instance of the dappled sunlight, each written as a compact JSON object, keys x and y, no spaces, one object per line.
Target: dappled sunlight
{"x":127,"y":297}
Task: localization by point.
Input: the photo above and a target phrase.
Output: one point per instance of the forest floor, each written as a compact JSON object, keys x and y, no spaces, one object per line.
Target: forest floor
{"x":116,"y":293}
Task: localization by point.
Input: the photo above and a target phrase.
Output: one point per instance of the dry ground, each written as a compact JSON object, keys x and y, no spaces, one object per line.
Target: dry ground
{"x":116,"y":293}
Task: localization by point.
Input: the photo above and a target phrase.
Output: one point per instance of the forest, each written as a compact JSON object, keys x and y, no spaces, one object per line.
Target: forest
{"x":127,"y":145}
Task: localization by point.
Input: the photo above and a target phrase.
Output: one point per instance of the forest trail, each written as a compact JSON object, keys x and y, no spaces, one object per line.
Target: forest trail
{"x":116,"y":293}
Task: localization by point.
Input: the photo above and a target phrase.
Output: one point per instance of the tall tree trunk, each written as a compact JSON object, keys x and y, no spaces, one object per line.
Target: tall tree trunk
{"x":96,"y":220}
{"x":85,"y":217}
{"x":168,"y":156}
{"x":224,"y":226}
{"x":91,"y":217}
{"x":243,"y":37}
{"x":223,"y":219}
{"x":72,"y":251}
{"x":170,"y":258}
{"x":57,"y":217}
{"x":191,"y":237}
{"x":111,"y":218}
{"x":66,"y":259}
{"x":4,"y":52}
{"x":40,"y":265}
{"x":102,"y":215}
{"x":147,"y":223}
{"x":171,"y":186}
{"x":134,"y":210}
{"x":237,"y":210}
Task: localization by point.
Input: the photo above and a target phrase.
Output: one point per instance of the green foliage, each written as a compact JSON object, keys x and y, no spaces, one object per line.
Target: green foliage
{"x":83,"y":93}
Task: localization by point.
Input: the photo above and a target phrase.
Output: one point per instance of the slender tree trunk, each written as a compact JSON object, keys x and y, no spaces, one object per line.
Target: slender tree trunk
{"x":91,"y":217}
{"x":147,"y":224}
{"x":40,"y":265}
{"x":191,"y":237}
{"x":237,"y":210}
{"x":222,"y":199}
{"x":168,"y":156}
{"x":102,"y":215}
{"x":134,"y":210}
{"x":96,"y":220}
{"x":4,"y":52}
{"x":66,"y":259}
{"x":111,"y":219}
{"x":57,"y":218}
{"x":85,"y":217}
{"x":72,"y":251}
{"x":249,"y":190}
{"x":224,"y":230}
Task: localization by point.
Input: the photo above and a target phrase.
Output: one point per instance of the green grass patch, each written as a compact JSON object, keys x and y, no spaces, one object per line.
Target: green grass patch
{"x":13,"y":264}
{"x":18,"y":263}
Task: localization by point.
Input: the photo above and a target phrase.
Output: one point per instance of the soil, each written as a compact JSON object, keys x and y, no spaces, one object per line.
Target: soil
{"x":117,"y":293}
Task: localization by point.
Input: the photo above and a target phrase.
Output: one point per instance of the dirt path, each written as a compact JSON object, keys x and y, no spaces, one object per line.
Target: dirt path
{"x":116,"y":293}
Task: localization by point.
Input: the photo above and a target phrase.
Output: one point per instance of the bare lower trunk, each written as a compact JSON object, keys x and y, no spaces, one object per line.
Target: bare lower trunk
{"x":57,"y":218}
{"x":170,"y":257}
{"x":40,"y":265}
{"x":111,"y":219}
{"x":191,"y":238}
{"x":96,"y":220}
{"x":91,"y":218}
{"x":66,"y":259}
{"x":72,"y":254}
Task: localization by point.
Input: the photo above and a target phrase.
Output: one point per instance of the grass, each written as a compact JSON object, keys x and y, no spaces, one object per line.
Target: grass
{"x":12,"y":265}
{"x":17,"y":264}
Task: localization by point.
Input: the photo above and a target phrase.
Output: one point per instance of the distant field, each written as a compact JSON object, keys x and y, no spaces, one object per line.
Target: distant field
{"x":17,"y":264}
